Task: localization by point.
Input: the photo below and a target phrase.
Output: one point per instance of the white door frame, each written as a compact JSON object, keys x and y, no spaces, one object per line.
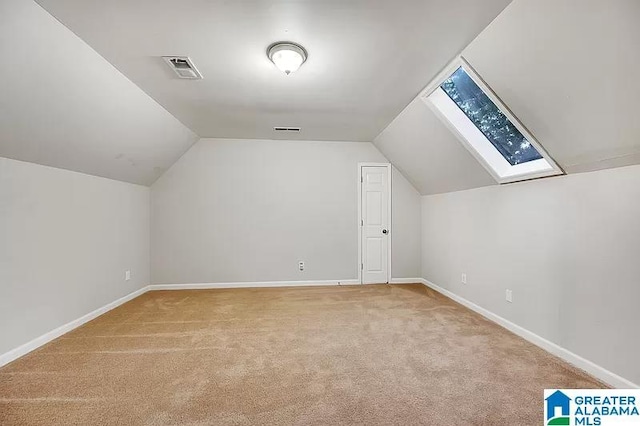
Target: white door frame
{"x":390,"y":235}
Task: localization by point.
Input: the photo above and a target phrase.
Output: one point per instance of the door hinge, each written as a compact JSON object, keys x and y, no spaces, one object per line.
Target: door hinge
{"x":362,"y":266}
{"x":361,"y":222}
{"x":361,"y":179}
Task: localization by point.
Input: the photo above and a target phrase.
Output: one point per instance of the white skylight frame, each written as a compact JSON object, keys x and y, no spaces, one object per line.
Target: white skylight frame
{"x":474,"y":140}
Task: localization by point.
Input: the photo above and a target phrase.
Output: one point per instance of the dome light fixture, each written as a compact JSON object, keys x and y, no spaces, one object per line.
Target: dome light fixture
{"x":287,"y":56}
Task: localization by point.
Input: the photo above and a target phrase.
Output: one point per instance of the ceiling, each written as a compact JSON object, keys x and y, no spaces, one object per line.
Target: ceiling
{"x":566,"y":69}
{"x":367,"y":58}
{"x":65,"y":106}
{"x":574,"y":86}
{"x":428,"y":154}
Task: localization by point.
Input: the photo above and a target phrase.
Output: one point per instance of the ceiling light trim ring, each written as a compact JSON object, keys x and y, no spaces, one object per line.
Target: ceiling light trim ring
{"x":276,"y":47}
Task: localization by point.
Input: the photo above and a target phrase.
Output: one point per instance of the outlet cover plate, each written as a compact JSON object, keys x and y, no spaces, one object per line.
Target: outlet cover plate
{"x":509,"y":296}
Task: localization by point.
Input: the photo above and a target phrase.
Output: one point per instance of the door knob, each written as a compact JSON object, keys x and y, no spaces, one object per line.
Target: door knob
{"x":384,"y":231}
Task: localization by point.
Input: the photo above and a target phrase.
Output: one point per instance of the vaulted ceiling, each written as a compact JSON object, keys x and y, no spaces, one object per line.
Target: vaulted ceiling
{"x":367,"y":58}
{"x":102,"y":102}
{"x":63,"y":105}
{"x":566,"y":69}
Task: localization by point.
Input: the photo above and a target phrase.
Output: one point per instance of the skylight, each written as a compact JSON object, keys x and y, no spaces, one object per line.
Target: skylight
{"x":486,"y":127}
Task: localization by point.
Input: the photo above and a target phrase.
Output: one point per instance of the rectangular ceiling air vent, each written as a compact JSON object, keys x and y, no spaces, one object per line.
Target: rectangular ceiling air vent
{"x":286,"y":129}
{"x":183,"y":67}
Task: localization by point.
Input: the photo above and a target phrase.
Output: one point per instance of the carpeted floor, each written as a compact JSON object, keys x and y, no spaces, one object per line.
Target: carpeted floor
{"x":367,"y":355}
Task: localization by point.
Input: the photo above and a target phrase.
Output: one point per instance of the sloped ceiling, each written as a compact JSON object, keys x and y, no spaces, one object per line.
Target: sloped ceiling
{"x":367,"y":58}
{"x":65,"y":106}
{"x":567,"y":69}
{"x":425,"y":151}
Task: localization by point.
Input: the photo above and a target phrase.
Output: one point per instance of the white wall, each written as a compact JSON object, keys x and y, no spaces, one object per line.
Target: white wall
{"x":65,"y":241}
{"x":249,"y":210}
{"x":568,"y":247}
{"x":406,"y":245}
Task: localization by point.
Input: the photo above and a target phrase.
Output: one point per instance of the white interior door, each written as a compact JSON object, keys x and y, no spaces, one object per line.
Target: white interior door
{"x":375,"y":224}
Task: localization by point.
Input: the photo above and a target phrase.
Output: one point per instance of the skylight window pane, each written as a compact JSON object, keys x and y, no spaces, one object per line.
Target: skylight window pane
{"x":487,"y":117}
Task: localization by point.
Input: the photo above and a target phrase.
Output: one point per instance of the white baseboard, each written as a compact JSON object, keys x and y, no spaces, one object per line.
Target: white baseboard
{"x":568,"y":356}
{"x":256,"y":284}
{"x":576,"y":360}
{"x":406,"y":280}
{"x":53,"y":334}
{"x":24,"y":349}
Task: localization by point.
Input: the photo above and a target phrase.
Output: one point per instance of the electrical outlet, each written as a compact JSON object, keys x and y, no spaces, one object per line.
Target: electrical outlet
{"x":301,"y":266}
{"x":463,"y":279}
{"x":509,"y":296}
{"x":127,"y":275}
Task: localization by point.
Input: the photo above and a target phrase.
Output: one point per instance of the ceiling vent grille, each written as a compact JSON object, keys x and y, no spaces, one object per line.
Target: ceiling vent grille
{"x":286,"y":129}
{"x":183,"y":67}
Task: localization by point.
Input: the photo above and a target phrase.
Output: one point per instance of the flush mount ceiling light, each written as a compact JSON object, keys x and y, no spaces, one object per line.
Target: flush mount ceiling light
{"x":287,"y":56}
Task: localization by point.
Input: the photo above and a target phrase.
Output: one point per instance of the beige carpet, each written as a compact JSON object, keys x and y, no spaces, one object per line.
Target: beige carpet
{"x":320,"y":355}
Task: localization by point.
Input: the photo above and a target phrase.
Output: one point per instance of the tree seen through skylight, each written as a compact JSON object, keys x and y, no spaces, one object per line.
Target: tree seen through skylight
{"x":488,"y":118}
